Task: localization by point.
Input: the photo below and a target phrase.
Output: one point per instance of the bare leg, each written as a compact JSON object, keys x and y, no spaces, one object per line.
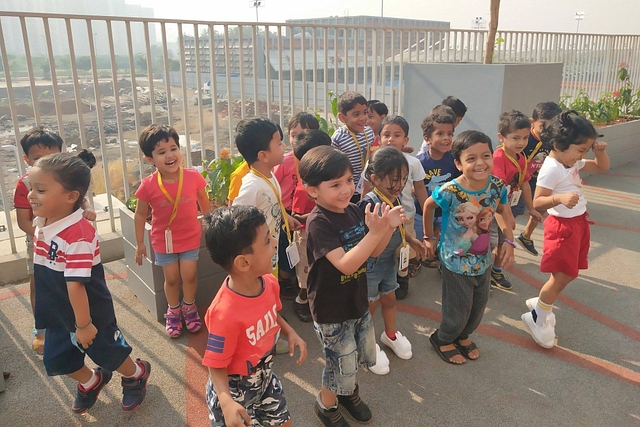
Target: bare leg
{"x":373,"y":306}
{"x":128,"y":367}
{"x":172,"y":283}
{"x":189,"y":275}
{"x":32,"y":293}
{"x":327,"y":397}
{"x":82,"y":375}
{"x":388,"y":303}
{"x":530,"y":227}
{"x":556,"y":283}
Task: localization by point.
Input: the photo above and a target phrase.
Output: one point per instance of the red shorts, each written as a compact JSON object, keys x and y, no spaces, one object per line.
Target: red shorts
{"x":566,"y":245}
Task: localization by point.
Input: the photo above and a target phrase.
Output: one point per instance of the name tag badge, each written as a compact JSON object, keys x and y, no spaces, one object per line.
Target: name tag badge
{"x":168,"y":240}
{"x":515,"y":197}
{"x":403,"y":263}
{"x":293,"y":256}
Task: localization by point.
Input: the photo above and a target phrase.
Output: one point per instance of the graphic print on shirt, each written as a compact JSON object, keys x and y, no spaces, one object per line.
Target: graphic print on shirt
{"x":350,"y":238}
{"x":435,"y":179}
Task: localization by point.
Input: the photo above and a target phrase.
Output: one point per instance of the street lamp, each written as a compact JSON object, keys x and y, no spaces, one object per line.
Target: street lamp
{"x":479,"y":23}
{"x":256,"y":4}
{"x":579,"y":17}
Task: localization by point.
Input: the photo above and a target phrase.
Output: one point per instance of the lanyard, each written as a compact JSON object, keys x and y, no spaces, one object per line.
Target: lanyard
{"x":363,"y":159}
{"x":175,"y":202}
{"x":283,"y":211}
{"x":517,"y":165}
{"x":535,"y":150}
{"x":391,"y":205}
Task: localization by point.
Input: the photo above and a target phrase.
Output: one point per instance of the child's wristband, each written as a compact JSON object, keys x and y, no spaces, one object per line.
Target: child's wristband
{"x":84,"y":327}
{"x":509,"y":242}
{"x":429,"y":238}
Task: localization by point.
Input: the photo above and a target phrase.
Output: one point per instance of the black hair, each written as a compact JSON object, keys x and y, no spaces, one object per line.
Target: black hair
{"x":545,"y":111}
{"x":153,"y":134}
{"x":230,"y":231}
{"x":567,"y":128}
{"x":512,"y":121}
{"x":468,"y":139}
{"x":323,"y":164}
{"x":40,"y":135}
{"x":348,"y":100}
{"x":438,"y":116}
{"x":254,"y":135}
{"x":378,"y":107}
{"x":396,"y":120}
{"x":72,"y":172}
{"x":387,"y":161}
{"x":305,"y":120}
{"x":309,"y":139}
{"x":458,"y":107}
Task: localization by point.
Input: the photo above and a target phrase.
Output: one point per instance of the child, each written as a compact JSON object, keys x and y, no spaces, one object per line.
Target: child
{"x":287,"y":176}
{"x":338,"y":250}
{"x":376,"y":112}
{"x":536,"y":152}
{"x":37,"y":142}
{"x":438,"y":164}
{"x":172,"y":192}
{"x":73,"y":302}
{"x":355,"y":137}
{"x":388,"y":171}
{"x":244,"y":323}
{"x":465,"y":275}
{"x":302,"y":206}
{"x":566,"y":229}
{"x":510,"y":165}
{"x":458,"y":107}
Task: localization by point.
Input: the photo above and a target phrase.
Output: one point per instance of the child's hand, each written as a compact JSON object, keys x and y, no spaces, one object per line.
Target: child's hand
{"x":507,"y":255}
{"x":430,"y":247}
{"x":396,"y":216}
{"x":407,"y":149}
{"x":86,"y":335}
{"x":534,"y":213}
{"x":89,"y":214}
{"x":235,"y":415}
{"x":295,"y":341}
{"x":141,"y":251}
{"x":376,"y":223}
{"x":599,"y":146}
{"x":294,"y":224}
{"x":569,"y":199}
{"x":420,"y":248}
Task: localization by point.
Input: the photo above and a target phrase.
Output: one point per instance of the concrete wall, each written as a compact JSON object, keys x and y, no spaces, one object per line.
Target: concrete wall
{"x":623,"y":142}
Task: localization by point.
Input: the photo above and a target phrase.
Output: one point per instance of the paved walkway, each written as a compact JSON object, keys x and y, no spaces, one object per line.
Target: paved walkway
{"x":591,"y":378}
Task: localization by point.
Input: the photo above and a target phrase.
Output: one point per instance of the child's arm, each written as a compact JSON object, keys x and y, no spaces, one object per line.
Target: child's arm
{"x":88,"y":212}
{"x":417,"y":246}
{"x":203,"y":201}
{"x":85,"y":330}
{"x":528,"y":201}
{"x":505,"y":219}
{"x":294,"y":224}
{"x":428,"y":209}
{"x":366,"y":188}
{"x":234,"y":413}
{"x":301,"y":218}
{"x":545,"y":200}
{"x":601,"y":162}
{"x":294,"y":340}
{"x":139,"y":220}
{"x":24,"y":221}
{"x":420,"y":192}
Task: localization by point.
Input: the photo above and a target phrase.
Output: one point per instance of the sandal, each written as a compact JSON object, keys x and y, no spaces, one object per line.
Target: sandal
{"x":466,"y":349}
{"x":431,"y":262}
{"x":174,"y":322}
{"x":414,"y":266}
{"x":191,"y":317}
{"x":444,"y":355}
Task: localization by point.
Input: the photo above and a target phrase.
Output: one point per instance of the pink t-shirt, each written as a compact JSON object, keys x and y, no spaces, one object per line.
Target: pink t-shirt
{"x":185,"y":228}
{"x":504,"y":169}
{"x":302,"y":203}
{"x":20,"y":197}
{"x":287,"y":176}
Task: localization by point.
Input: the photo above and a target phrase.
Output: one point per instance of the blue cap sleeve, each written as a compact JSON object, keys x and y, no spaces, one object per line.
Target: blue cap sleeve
{"x":442,"y":198}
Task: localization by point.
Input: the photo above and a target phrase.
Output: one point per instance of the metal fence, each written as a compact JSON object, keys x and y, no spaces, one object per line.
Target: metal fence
{"x":99,"y":80}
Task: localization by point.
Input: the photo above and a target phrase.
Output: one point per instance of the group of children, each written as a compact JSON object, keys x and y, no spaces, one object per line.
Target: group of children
{"x":351,"y":216}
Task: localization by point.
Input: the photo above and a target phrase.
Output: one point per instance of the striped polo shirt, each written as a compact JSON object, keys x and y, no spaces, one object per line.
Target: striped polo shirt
{"x":343,"y":141}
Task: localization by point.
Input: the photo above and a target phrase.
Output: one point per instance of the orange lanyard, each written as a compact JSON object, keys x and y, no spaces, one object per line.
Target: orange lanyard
{"x":283,"y":211}
{"x":391,"y":205}
{"x":363,"y":159}
{"x":535,"y":150}
{"x":517,"y":165}
{"x":175,"y":201}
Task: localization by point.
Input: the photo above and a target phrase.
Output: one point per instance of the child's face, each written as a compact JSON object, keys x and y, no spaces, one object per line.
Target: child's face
{"x":484,"y":222}
{"x":516,"y":141}
{"x":466,"y":219}
{"x":356,"y":118}
{"x":37,"y":151}
{"x":457,"y":122}
{"x":575,"y":152}
{"x":48,"y":198}
{"x":293,"y":132}
{"x":374,"y":119}
{"x":393,"y":135}
{"x":275,"y":155}
{"x":538,"y":125}
{"x":263,"y":249}
{"x":392,"y":184}
{"x":441,"y":138}
{"x":476,"y":162}
{"x":166,"y":157}
{"x":334,"y":195}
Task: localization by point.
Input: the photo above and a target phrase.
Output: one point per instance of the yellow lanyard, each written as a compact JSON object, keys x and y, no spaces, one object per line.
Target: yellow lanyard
{"x":175,"y":202}
{"x":517,"y":165}
{"x":283,"y":211}
{"x":391,"y":205}
{"x":363,"y":159}
{"x":535,"y":150}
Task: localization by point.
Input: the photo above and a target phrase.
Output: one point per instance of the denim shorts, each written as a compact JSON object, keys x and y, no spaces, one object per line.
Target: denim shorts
{"x":346,"y":346}
{"x":168,"y":259}
{"x":381,"y":277}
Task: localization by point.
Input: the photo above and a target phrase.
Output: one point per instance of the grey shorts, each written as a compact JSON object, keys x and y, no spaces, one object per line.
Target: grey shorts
{"x":497,"y":238}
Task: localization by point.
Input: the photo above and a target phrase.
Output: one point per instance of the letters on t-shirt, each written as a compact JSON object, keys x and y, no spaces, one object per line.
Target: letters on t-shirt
{"x":263,"y":325}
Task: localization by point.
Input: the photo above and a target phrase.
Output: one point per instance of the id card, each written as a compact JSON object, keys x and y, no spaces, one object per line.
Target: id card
{"x":168,"y":240}
{"x":515,"y":197}
{"x":403,"y":263}
{"x":293,"y":256}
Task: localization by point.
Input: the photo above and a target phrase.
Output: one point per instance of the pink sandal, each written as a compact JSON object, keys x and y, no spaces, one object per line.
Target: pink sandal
{"x":191,"y":317}
{"x":174,"y":322}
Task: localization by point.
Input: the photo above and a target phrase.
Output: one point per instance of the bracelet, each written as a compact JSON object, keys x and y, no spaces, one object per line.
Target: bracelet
{"x":510,"y":243}
{"x":429,"y":238}
{"x":84,"y":327}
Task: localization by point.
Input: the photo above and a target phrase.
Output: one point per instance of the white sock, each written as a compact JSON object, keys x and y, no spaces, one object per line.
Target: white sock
{"x":92,"y":381}
{"x":137,"y":373}
{"x":540,"y":312}
{"x":300,"y":300}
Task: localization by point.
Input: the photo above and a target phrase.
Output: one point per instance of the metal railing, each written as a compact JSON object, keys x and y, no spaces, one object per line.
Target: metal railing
{"x":98,"y":80}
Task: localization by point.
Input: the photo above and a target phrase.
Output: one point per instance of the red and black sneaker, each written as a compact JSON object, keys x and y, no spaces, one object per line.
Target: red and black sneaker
{"x":87,"y":397}
{"x":135,"y":389}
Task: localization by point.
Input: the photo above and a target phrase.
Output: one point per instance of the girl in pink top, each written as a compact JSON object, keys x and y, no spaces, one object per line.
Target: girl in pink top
{"x":172,"y":192}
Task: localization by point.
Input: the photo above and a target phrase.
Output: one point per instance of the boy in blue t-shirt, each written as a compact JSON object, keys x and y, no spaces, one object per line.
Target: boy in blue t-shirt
{"x":468,"y":205}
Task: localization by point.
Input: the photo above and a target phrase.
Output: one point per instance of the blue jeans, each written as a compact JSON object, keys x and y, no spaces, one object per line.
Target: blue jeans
{"x":381,"y":276}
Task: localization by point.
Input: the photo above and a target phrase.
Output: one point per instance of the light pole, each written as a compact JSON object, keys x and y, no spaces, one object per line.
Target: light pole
{"x":256,"y":4}
{"x":381,"y":8}
{"x":579,"y":17}
{"x":479,"y":23}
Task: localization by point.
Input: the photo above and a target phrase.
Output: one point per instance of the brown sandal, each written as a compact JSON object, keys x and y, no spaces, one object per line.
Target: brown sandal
{"x":414,"y":266}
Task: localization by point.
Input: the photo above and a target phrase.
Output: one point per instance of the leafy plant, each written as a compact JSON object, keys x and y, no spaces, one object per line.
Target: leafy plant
{"x":329,"y":127}
{"x":131,"y":203}
{"x":218,"y":175}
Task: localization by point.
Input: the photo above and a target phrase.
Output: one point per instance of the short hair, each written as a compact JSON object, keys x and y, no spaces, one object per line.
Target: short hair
{"x":386,"y":161}
{"x":443,"y":109}
{"x":323,"y":164}
{"x":436,"y":118}
{"x":153,"y":134}
{"x":396,"y":120}
{"x":309,"y":139}
{"x":512,"y":121}
{"x":566,"y":129}
{"x":40,"y":135}
{"x":305,"y":120}
{"x":458,"y":107}
{"x":348,"y":100}
{"x":230,"y":231}
{"x":254,"y":135}
{"x":378,"y":107}
{"x":468,"y":139}
{"x":545,"y":111}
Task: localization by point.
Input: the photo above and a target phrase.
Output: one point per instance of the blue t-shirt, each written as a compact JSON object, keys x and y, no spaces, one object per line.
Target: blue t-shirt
{"x":464,"y":245}
{"x":437,"y":172}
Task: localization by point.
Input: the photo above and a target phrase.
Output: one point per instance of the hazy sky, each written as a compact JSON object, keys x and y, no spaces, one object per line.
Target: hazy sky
{"x":600,"y":16}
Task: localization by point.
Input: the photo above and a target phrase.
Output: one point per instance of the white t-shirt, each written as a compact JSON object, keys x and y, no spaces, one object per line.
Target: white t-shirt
{"x":560,"y":180}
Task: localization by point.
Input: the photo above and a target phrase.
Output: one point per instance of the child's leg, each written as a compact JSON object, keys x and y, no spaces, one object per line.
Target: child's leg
{"x":556,"y":284}
{"x":32,"y":293}
{"x":530,"y":227}
{"x":497,"y":276}
{"x":172,"y":282}
{"x":388,"y":303}
{"x":188,"y":270}
{"x":480,"y":300}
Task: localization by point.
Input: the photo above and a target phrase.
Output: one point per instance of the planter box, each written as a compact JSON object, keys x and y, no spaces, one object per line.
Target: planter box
{"x":486,"y":90}
{"x":146,"y":281}
{"x":623,"y":141}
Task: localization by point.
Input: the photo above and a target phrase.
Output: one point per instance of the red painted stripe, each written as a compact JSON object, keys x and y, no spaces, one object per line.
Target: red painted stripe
{"x":14,"y":291}
{"x":612,"y":194}
{"x":617,"y":227}
{"x":621,"y":175}
{"x":196,"y":377}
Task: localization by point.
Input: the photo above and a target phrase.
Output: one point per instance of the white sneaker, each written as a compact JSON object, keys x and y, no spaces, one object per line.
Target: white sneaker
{"x":382,"y":363}
{"x":400,"y":346}
{"x":533,"y":302}
{"x":543,"y":335}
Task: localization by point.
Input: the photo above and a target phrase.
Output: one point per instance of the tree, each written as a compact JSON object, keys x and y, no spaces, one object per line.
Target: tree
{"x":491,"y":36}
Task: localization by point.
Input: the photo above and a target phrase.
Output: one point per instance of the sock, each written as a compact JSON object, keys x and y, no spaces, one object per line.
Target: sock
{"x":174,"y":308}
{"x":540,"y":312}
{"x":188,"y":303}
{"x":496,"y":269}
{"x":392,"y":337}
{"x":137,"y":373}
{"x":300,"y":300}
{"x":403,"y":273}
{"x":92,"y":381}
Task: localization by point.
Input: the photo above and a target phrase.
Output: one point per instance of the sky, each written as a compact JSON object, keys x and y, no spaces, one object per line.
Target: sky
{"x":600,"y":16}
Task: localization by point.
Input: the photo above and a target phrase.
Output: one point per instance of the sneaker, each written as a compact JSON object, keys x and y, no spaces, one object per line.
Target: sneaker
{"x":403,"y":290}
{"x":382,"y":363}
{"x":302,"y":311}
{"x":544,"y":335}
{"x":331,"y":417}
{"x":355,"y":407}
{"x":87,"y":397}
{"x":191,"y":317}
{"x":173,"y":322}
{"x":499,"y":281}
{"x":400,"y":346}
{"x":533,"y":302}
{"x":527,"y":244}
{"x":134,"y":390}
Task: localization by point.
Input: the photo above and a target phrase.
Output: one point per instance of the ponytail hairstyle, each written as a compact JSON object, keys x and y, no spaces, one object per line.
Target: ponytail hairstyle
{"x":566,"y":129}
{"x":387,"y":161}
